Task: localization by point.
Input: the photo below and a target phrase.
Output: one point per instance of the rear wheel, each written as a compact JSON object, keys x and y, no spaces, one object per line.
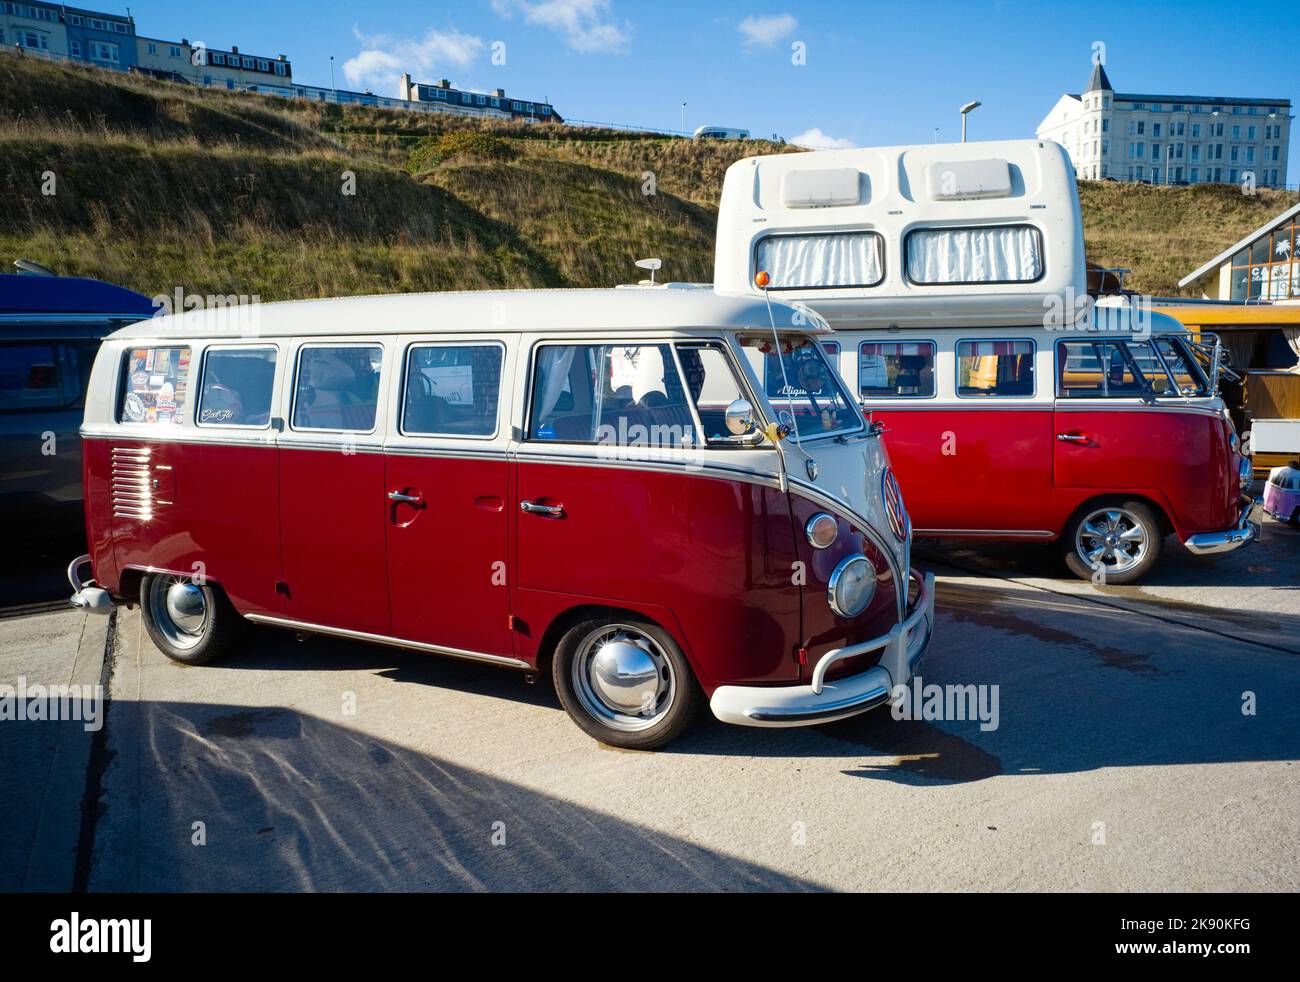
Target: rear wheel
{"x":190,"y":623}
{"x":1113,"y":542}
{"x":626,"y":682}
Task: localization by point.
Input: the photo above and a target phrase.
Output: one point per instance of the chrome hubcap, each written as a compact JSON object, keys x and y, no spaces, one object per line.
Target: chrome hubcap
{"x":179,"y":610}
{"x":623,"y":678}
{"x":1112,"y":538}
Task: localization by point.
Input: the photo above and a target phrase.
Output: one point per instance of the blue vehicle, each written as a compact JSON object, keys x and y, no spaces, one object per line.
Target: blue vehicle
{"x":50,"y":330}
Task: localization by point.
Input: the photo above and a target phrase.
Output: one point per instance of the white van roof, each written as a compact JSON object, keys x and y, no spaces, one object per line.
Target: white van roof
{"x":893,"y":191}
{"x":640,"y":309}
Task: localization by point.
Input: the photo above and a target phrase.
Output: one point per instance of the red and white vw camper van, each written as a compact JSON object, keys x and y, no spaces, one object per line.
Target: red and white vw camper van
{"x":1014,"y":408}
{"x":591,"y":482}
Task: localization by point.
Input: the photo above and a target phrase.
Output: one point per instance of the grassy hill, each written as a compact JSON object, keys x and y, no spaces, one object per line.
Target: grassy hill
{"x":161,"y":185}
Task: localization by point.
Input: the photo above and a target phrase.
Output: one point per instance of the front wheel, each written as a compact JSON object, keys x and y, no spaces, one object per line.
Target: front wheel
{"x":1113,"y":542}
{"x":626,"y":682}
{"x":190,"y":623}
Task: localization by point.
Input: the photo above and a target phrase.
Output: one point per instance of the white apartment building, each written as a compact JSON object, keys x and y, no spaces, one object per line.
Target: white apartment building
{"x":1170,"y":139}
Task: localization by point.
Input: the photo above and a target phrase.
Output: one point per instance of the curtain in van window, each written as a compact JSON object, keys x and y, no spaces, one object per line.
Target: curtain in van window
{"x":974,"y":255}
{"x":553,"y":367}
{"x":824,"y":260}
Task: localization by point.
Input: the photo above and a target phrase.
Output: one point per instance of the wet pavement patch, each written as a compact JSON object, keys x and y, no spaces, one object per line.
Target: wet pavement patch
{"x":276,"y":724}
{"x":982,"y":607}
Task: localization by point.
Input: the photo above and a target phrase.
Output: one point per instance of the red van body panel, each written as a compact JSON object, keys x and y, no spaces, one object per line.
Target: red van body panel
{"x":1002,"y":470}
{"x":719,"y":554}
{"x":987,"y":468}
{"x":214,"y":514}
{"x":1177,"y":457}
{"x":719,"y":571}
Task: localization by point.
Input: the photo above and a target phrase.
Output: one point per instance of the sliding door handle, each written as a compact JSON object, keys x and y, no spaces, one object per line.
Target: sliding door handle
{"x":1073,"y":438}
{"x":407,"y":499}
{"x":550,"y":511}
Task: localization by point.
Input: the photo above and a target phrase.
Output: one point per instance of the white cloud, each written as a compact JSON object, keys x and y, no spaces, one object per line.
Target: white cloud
{"x":815,"y":139}
{"x":765,"y":31}
{"x":382,"y":59}
{"x":585,"y":25}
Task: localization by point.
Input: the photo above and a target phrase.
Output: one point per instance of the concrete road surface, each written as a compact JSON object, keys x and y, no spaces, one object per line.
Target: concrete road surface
{"x":1122,"y":759}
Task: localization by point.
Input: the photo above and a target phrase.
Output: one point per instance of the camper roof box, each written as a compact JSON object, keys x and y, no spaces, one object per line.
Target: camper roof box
{"x":981,"y":232}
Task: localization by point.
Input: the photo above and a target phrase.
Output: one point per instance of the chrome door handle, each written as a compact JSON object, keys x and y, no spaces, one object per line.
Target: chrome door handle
{"x":533,"y":508}
{"x":410,"y":499}
{"x":1073,"y":438}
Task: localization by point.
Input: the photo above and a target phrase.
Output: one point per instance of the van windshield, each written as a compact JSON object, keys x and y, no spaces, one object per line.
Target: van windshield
{"x":801,"y":385}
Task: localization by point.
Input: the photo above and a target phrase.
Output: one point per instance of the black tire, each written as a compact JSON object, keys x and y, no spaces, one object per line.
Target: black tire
{"x":1115,"y":571}
{"x":665,"y":715}
{"x":175,"y":632}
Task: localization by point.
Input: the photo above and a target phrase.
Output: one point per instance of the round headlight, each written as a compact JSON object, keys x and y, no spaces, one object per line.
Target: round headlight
{"x":822,"y":530}
{"x":852,"y":586}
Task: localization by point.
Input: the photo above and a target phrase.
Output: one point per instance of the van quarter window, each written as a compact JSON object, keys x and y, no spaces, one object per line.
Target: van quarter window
{"x":997,"y":254}
{"x":452,"y":389}
{"x":237,"y":385}
{"x":338,"y":387}
{"x":902,"y":369}
{"x":620,"y":394}
{"x":155,"y":385}
{"x":821,"y":261}
{"x":995,"y":368}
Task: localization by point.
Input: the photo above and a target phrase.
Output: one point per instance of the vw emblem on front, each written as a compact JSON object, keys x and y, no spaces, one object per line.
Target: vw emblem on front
{"x":894,"y":510}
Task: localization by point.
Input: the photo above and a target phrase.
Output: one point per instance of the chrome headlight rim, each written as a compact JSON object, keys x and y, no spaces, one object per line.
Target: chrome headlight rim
{"x":819,"y":521}
{"x":837,"y":580}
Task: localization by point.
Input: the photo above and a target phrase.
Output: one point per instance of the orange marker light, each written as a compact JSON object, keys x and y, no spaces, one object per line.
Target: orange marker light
{"x":762,"y":279}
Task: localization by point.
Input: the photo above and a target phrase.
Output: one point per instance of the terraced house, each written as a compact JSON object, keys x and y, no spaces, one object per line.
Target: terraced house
{"x":494,"y":103}
{"x":1171,"y":139}
{"x":225,"y":68}
{"x":69,"y":33}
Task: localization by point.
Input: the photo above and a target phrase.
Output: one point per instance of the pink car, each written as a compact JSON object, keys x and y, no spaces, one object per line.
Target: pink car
{"x":1282,"y":493}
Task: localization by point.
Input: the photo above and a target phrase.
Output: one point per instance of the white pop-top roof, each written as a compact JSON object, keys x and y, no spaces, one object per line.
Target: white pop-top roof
{"x":668,"y":307}
{"x":893,"y":191}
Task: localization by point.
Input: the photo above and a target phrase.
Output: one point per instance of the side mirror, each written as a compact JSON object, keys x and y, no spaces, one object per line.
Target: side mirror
{"x":740,"y":418}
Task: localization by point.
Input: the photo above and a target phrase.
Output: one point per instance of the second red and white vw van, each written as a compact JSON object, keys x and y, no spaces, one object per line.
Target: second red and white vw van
{"x":593,"y":483}
{"x":1014,"y":406}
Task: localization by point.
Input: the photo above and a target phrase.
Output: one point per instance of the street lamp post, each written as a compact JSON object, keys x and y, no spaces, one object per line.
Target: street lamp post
{"x":965,"y":111}
{"x":683,"y":117}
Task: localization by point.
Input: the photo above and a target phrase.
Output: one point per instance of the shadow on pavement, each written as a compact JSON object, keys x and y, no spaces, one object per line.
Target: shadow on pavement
{"x":293,"y":802}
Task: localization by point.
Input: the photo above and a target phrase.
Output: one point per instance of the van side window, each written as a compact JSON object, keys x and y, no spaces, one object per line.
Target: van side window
{"x":713,"y":386}
{"x":338,"y":387}
{"x":155,"y":385}
{"x":1095,"y":369}
{"x":620,"y":394}
{"x":896,"y":369}
{"x":993,"y":254}
{"x":237,"y":386}
{"x":452,"y":389}
{"x":995,"y":368}
{"x":44,"y":375}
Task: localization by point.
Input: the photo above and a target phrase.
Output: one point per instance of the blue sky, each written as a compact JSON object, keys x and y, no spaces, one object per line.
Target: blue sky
{"x":875,"y":73}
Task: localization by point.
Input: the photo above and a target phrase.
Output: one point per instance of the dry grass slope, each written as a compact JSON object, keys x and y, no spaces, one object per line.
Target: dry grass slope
{"x":162,"y":185}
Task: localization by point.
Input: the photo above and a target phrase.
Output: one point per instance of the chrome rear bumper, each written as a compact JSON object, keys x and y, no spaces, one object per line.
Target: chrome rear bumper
{"x":1212,"y":543}
{"x":86,"y":595}
{"x":822,"y":701}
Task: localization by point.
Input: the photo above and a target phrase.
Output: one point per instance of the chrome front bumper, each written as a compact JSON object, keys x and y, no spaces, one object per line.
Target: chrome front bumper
{"x":1212,"y":543}
{"x":822,"y":701}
